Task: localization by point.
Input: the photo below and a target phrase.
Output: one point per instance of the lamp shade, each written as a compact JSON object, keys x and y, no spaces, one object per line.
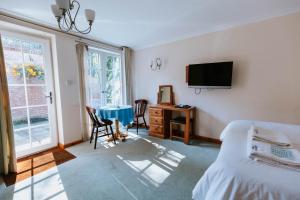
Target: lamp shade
{"x":56,"y":11}
{"x":90,"y":14}
{"x":63,"y":4}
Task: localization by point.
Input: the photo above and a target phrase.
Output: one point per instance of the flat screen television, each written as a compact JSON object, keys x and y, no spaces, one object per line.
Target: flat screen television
{"x":210,"y":75}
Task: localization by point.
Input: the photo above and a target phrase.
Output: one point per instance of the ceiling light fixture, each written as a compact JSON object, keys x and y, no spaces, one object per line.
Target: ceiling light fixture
{"x":63,"y":10}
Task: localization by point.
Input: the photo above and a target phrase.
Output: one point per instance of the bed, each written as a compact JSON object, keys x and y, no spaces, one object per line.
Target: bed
{"x":234,"y":176}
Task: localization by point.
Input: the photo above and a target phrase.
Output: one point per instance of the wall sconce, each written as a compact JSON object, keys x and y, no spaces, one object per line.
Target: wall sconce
{"x":155,"y":64}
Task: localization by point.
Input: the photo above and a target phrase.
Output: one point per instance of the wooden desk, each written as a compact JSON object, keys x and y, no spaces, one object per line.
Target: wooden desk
{"x":160,"y":115}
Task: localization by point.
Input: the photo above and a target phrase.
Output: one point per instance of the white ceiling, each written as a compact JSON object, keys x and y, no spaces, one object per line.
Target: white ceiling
{"x":143,"y":23}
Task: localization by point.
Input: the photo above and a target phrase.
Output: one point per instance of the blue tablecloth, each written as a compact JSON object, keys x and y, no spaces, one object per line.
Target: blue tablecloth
{"x":123,"y":113}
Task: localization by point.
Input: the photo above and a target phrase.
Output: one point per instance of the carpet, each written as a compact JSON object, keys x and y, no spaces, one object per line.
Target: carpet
{"x":142,"y":168}
{"x":37,"y":163}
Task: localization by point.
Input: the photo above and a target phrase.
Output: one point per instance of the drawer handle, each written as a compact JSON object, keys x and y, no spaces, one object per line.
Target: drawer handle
{"x":156,"y":128}
{"x":156,"y":121}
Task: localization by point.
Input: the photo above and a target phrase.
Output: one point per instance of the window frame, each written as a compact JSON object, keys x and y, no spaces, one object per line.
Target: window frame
{"x":103,"y":53}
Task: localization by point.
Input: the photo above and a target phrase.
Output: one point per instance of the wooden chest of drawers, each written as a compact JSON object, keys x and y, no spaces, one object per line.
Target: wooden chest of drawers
{"x":158,"y":122}
{"x":160,"y":116}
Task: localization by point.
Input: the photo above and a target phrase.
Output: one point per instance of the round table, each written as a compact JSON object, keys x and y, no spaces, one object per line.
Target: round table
{"x":121,"y":114}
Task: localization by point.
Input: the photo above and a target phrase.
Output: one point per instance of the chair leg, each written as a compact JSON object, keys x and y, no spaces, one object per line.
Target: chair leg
{"x":96,"y":138}
{"x":145,"y":123}
{"x":112,"y":133}
{"x":92,"y":134}
{"x":106,"y":129}
{"x":137,"y":125}
{"x":192,"y":133}
{"x":171,"y":131}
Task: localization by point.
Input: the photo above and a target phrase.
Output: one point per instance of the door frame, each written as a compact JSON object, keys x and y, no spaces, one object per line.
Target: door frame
{"x":50,"y":86}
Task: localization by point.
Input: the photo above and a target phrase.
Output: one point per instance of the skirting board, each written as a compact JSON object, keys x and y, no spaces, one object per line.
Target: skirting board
{"x":207,"y":139}
{"x":63,"y":146}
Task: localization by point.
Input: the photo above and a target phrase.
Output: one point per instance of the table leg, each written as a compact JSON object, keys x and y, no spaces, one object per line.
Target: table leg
{"x":118,"y":134}
{"x":187,"y":127}
{"x":117,"y":123}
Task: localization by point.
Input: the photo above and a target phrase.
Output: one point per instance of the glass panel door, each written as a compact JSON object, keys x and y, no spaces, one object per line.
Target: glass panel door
{"x":112,"y":79}
{"x":29,"y":76}
{"x":103,"y":79}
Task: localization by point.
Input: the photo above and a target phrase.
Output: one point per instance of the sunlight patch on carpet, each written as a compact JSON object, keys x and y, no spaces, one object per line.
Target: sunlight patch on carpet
{"x":49,"y":182}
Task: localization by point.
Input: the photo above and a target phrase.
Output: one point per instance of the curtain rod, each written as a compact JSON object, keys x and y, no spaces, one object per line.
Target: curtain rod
{"x":14,"y":17}
{"x":101,"y":46}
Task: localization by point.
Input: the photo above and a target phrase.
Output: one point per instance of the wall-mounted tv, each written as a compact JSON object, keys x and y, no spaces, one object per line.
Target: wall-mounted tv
{"x":210,"y":75}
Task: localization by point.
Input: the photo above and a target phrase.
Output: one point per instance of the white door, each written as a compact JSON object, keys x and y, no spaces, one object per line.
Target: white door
{"x":30,"y":83}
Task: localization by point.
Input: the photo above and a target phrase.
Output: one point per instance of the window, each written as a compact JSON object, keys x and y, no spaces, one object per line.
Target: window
{"x":103,"y":78}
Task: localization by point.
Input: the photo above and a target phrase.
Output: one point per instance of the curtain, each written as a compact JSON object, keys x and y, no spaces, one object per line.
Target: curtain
{"x":7,"y":147}
{"x":127,"y":62}
{"x":81,"y":50}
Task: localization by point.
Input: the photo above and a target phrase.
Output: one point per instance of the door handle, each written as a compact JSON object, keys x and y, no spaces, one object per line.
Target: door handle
{"x":50,"y":97}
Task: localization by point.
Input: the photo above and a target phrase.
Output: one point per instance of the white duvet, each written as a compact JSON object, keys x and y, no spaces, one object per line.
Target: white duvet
{"x":234,"y":176}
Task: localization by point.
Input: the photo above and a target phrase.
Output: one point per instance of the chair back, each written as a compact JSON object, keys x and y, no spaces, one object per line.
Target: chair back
{"x":140,"y":107}
{"x":93,"y":116}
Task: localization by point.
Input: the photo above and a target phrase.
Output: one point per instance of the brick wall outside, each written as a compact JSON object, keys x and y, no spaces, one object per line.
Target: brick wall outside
{"x":36,"y":96}
{"x":32,"y":54}
{"x":37,"y":112}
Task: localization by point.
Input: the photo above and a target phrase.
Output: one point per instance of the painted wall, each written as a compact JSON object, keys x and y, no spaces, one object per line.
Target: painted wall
{"x":266,"y":77}
{"x":65,"y":68}
{"x":69,"y":92}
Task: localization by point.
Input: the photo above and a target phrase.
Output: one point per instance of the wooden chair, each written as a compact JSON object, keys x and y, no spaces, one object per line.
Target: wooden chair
{"x":98,"y":126}
{"x":139,"y":111}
